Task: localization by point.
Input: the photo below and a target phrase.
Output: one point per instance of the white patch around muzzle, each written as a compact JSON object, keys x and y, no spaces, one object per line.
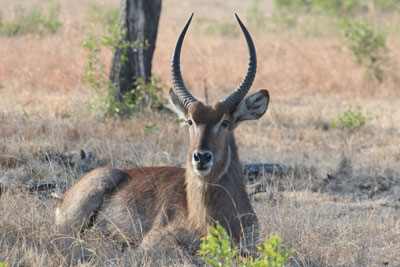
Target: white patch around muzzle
{"x":202,"y":169}
{"x":202,"y":172}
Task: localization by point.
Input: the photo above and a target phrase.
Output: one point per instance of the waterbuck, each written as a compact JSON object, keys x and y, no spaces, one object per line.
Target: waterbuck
{"x":165,"y":205}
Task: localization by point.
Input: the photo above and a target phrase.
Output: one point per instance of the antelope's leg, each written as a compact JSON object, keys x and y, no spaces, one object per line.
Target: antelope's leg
{"x":171,"y":238}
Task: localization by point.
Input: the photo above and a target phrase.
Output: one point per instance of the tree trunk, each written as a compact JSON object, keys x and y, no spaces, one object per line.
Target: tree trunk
{"x":140,"y":18}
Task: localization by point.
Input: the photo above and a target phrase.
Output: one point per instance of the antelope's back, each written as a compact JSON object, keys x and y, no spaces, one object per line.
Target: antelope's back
{"x":123,"y":201}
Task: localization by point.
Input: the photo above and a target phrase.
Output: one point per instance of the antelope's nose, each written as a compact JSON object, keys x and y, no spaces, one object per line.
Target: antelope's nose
{"x":202,"y":158}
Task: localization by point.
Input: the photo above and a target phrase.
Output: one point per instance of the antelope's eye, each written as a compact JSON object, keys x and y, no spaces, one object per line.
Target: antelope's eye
{"x":225,"y":123}
{"x":189,"y":122}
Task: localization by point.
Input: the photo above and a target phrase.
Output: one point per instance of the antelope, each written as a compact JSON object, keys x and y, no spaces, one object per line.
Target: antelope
{"x":150,"y":206}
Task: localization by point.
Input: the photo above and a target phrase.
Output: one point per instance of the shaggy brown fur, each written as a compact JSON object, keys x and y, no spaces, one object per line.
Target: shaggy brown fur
{"x":164,"y":205}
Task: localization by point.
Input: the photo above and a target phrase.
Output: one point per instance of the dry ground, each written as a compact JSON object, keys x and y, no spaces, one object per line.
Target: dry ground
{"x":351,"y":218}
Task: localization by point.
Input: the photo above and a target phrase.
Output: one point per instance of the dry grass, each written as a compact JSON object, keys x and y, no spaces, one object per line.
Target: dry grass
{"x":352,"y":220}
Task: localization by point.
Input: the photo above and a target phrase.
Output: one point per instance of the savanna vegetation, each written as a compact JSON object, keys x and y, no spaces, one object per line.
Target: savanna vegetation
{"x":332,"y":70}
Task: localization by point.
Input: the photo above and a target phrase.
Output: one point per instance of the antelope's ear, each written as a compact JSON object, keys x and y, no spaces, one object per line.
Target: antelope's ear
{"x":251,"y":108}
{"x":180,"y":109}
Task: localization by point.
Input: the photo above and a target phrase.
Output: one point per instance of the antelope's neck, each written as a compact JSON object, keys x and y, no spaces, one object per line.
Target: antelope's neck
{"x":208,"y":203}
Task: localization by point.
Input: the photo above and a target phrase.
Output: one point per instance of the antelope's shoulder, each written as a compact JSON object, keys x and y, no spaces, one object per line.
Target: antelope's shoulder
{"x":162,"y":180}
{"x":161,"y":172}
{"x":105,"y":177}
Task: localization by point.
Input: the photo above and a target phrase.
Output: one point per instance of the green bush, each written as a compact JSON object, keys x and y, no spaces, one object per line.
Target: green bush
{"x":319,"y":17}
{"x":293,"y":5}
{"x":331,"y":7}
{"x":351,"y":121}
{"x":388,"y":5}
{"x":368,"y":47}
{"x":255,"y":17}
{"x":271,"y":254}
{"x":133,"y":101}
{"x":216,"y":249}
{"x":228,"y":28}
{"x":313,"y":17}
{"x":288,"y":19}
{"x":336,"y":7}
{"x":107,"y":16}
{"x":33,"y":22}
{"x":214,"y":26}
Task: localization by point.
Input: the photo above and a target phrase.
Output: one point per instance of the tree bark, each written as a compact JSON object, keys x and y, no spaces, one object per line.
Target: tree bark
{"x":140,"y":18}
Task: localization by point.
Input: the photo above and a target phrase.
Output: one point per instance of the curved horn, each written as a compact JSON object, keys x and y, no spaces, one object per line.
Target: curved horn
{"x":233,"y":99}
{"x":184,"y":95}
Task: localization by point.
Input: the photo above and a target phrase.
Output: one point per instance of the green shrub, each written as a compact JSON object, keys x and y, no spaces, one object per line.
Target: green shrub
{"x":3,"y":264}
{"x":287,"y":19}
{"x":319,"y":17}
{"x":331,"y":7}
{"x":351,"y":121}
{"x":132,"y":101}
{"x":271,"y":254}
{"x":368,"y":47}
{"x":336,"y":7}
{"x":214,"y":26}
{"x":216,"y":249}
{"x":96,"y":77}
{"x":388,"y":5}
{"x":228,"y":28}
{"x":33,"y":22}
{"x":313,"y":17}
{"x":107,"y":16}
{"x":255,"y":17}
{"x":293,"y":5}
